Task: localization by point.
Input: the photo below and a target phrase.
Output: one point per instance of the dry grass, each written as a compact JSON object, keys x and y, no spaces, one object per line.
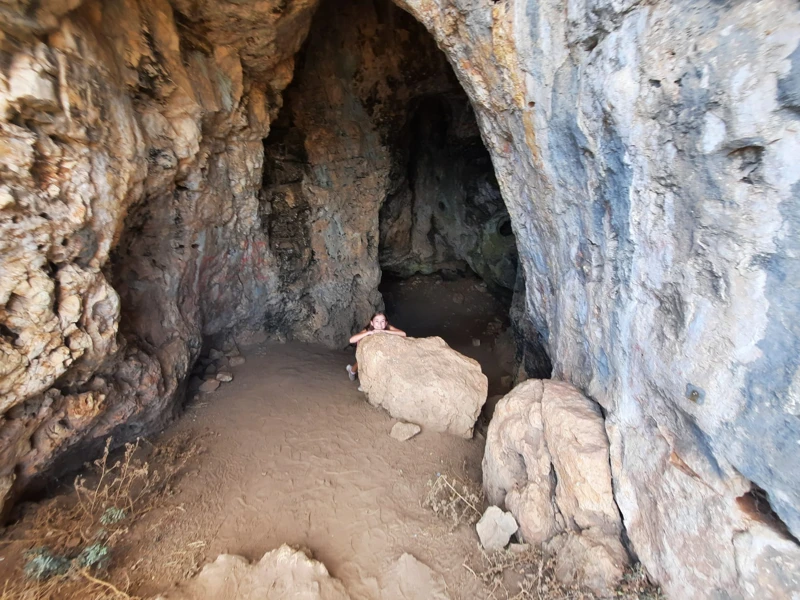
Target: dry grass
{"x":454,"y":500}
{"x":528,"y":574}
{"x":522,"y":572}
{"x":72,"y":539}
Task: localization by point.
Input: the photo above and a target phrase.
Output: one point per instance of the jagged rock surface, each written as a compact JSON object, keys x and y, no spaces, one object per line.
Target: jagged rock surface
{"x":644,"y":151}
{"x":547,"y":461}
{"x":283,"y":574}
{"x":423,"y":381}
{"x":132,"y":156}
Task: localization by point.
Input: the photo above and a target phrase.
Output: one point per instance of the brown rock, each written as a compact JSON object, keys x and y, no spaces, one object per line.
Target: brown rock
{"x":404,"y":431}
{"x":543,"y":426}
{"x":210,"y":385}
{"x":423,"y":381}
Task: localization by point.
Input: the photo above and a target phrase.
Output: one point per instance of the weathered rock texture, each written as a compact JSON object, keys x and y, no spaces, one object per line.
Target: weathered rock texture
{"x":375,"y":160}
{"x":423,"y":381}
{"x":547,"y":461}
{"x":132,"y":154}
{"x":646,"y":152}
{"x":283,"y":574}
{"x":444,"y":210}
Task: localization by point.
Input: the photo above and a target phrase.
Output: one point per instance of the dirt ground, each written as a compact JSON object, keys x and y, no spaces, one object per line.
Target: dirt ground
{"x":294,"y":454}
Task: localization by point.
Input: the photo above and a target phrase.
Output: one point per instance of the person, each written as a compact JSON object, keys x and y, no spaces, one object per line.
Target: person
{"x":377,"y":324}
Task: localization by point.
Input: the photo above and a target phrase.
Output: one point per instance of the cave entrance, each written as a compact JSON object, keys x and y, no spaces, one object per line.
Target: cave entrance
{"x":447,"y":250}
{"x":378,"y":191}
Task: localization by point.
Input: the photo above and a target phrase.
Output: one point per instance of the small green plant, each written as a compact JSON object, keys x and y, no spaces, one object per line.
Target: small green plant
{"x":95,"y":556}
{"x":113,"y":515}
{"x":82,"y":532}
{"x":43,"y":564}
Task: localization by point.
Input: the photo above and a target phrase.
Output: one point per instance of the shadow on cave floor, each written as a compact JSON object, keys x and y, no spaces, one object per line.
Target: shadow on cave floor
{"x":460,"y":310}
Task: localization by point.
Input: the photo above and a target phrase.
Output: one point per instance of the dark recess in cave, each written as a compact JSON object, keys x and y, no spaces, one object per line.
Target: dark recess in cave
{"x":440,"y":208}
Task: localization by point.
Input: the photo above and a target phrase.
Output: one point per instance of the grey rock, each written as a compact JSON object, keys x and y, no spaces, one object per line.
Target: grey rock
{"x":495,"y":528}
{"x":236,"y":361}
{"x":224,"y":376}
{"x":215,"y":354}
{"x":210,"y":385}
{"x":404,"y":431}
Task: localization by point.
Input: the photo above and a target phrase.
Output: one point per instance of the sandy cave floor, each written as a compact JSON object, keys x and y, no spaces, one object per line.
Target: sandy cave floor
{"x":294,"y":454}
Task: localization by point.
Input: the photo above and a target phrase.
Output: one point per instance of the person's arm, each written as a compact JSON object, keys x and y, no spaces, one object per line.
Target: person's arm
{"x":360,"y":336}
{"x":395,"y":331}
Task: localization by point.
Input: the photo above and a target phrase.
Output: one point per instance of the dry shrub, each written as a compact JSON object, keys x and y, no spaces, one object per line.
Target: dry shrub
{"x":72,"y":539}
{"x":454,"y":500}
{"x":527,"y":573}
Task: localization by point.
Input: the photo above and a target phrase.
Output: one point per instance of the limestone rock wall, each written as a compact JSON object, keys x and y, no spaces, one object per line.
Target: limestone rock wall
{"x":130,"y":138}
{"x":444,"y":210}
{"x":646,"y":153}
{"x":341,"y":162}
{"x":647,"y":156}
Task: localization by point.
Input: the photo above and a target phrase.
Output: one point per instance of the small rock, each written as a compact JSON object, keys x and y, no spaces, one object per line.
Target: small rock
{"x":221,"y":363}
{"x":233,"y":352}
{"x":211,"y":369}
{"x":458,"y":298}
{"x":495,"y":528}
{"x":476,"y":342}
{"x":224,"y":376}
{"x":236,"y":361}
{"x":215,"y":354}
{"x":209,"y":386}
{"x":404,"y":431}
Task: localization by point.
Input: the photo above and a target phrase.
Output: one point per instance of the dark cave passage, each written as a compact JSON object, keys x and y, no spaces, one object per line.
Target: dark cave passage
{"x":375,"y":172}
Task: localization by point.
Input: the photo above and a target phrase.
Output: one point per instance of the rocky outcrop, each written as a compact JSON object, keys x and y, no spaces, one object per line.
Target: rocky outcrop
{"x":547,"y":461}
{"x":423,"y":381}
{"x":644,"y":153}
{"x":282,"y":574}
{"x":131,"y":144}
{"x":375,"y":162}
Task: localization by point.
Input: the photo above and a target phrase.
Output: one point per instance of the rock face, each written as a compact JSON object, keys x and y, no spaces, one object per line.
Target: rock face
{"x":423,"y":381}
{"x":547,"y":461}
{"x":132,"y":155}
{"x":283,"y":574}
{"x":645,"y":152}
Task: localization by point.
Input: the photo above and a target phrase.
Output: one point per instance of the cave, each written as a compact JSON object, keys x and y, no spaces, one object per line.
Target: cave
{"x":201,"y":202}
{"x":402,"y":139}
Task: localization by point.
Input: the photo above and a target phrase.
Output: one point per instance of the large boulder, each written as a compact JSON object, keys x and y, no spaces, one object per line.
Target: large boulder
{"x":423,"y":381}
{"x":547,"y":461}
{"x":282,"y":574}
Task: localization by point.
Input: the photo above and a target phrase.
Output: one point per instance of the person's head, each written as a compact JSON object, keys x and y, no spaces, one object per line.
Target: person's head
{"x":378,"y":321}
